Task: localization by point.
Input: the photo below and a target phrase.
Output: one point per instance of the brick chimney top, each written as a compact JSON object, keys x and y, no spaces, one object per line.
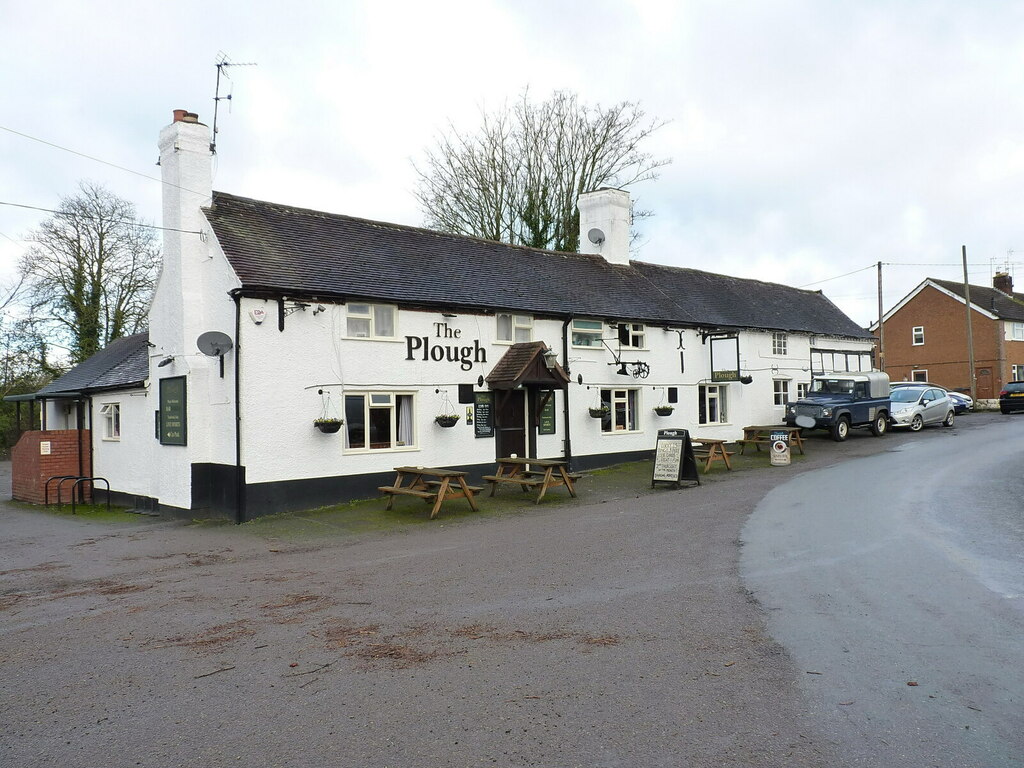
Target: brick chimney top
{"x":1002,"y":281}
{"x":184,"y":116}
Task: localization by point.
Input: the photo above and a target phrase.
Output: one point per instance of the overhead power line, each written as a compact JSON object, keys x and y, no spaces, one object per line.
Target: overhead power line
{"x":96,"y":218}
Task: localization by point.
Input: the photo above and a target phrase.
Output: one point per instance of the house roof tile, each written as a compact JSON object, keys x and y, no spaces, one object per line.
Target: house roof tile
{"x":1006,"y":306}
{"x":123,"y":362}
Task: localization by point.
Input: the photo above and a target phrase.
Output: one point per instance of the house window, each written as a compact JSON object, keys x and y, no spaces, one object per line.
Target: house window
{"x":1018,"y":331}
{"x":371,"y":321}
{"x":379,"y":421}
{"x":781,"y":391}
{"x":586,"y":333}
{"x":631,"y":335}
{"x":1017,"y":372}
{"x":801,"y":390}
{"x":919,"y":375}
{"x":711,"y":408}
{"x":111,"y":413}
{"x":622,"y":406}
{"x":778,"y":343}
{"x":918,"y":335}
{"x":515,"y":328}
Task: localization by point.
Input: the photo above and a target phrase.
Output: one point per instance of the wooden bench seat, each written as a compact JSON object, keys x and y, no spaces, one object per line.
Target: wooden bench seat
{"x":455,"y":486}
{"x":520,"y":479}
{"x":427,"y":495}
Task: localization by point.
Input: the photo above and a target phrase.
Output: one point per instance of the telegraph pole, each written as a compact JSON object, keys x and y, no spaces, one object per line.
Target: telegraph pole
{"x":881,"y":326}
{"x":970,"y":334}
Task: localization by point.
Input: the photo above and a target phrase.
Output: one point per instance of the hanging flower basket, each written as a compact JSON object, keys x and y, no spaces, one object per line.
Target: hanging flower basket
{"x":600,"y":413}
{"x":664,"y":410}
{"x":447,"y":419}
{"x":328,"y":426}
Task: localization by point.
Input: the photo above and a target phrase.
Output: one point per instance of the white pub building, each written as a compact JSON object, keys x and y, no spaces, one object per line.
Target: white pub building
{"x":271,"y":324}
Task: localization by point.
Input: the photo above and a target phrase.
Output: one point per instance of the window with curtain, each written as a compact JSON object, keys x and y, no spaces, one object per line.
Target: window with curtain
{"x":622,"y":410}
{"x":370,"y":321}
{"x":514,"y":328}
{"x":111,"y":414}
{"x":379,"y":421}
{"x":711,"y":405}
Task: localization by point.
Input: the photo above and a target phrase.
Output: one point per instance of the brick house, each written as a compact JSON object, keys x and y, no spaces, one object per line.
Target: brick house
{"x":926,"y":336}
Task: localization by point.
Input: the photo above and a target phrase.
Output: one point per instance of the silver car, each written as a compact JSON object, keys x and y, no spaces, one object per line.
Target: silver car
{"x":914,"y":407}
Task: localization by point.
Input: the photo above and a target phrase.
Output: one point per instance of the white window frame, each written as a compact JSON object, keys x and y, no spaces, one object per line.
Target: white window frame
{"x":801,"y":389}
{"x":780,"y":389}
{"x":111,"y":413}
{"x":1017,"y":331}
{"x":779,"y":343}
{"x":520,"y":328}
{"x":923,"y":374}
{"x":372,"y":318}
{"x":636,"y":336}
{"x":624,"y":410}
{"x":377,"y":400}
{"x":592,"y":330}
{"x":1017,"y":372}
{"x":712,"y":397}
{"x":917,"y":336}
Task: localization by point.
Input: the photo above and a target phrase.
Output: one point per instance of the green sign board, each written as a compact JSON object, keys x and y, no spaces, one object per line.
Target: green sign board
{"x":173,"y":412}
{"x":725,"y":375}
{"x":483,"y":414}
{"x":546,"y":423}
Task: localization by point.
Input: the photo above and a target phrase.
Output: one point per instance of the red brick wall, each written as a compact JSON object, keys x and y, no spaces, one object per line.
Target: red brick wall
{"x":30,"y":469}
{"x":944,"y":352}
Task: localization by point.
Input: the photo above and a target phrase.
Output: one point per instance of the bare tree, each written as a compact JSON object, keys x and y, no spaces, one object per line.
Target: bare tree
{"x":518,"y":178}
{"x":91,"y":270}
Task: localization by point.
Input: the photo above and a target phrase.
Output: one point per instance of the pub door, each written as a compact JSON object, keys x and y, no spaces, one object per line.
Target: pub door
{"x":510,"y":422}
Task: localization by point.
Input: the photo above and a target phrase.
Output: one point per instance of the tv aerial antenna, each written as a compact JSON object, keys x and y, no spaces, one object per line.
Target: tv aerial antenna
{"x":223,"y":62}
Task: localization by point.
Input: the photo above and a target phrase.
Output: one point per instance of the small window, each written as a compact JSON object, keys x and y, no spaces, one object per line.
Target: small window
{"x":711,"y":406}
{"x":631,"y":335}
{"x":778,"y":343}
{"x":1018,"y":331}
{"x":371,"y":321}
{"x":781,"y":391}
{"x":379,"y":421}
{"x":111,"y":413}
{"x":587,"y":333}
{"x":918,"y":335}
{"x":514,"y":328}
{"x":622,"y":410}
{"x":919,"y":375}
{"x":801,"y":390}
{"x":1017,"y":372}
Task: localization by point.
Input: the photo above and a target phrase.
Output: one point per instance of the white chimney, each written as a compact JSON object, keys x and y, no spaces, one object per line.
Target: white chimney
{"x":605,"y":224}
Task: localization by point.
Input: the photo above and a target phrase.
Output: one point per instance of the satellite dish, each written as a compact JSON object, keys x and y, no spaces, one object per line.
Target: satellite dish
{"x":596,"y":236}
{"x":214,"y":343}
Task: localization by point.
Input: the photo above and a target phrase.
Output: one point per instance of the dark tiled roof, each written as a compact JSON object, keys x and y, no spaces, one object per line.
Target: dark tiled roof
{"x":523,"y":362}
{"x":123,"y":362}
{"x":1005,"y":306}
{"x":293,"y":250}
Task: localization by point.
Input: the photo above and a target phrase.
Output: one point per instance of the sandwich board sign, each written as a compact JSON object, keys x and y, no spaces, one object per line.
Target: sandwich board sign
{"x":780,"y":452}
{"x":673,"y":459}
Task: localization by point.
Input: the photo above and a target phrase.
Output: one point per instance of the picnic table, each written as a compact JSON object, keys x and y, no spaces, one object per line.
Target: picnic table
{"x":761,"y":435}
{"x":711,"y":450}
{"x":432,"y":485}
{"x":533,"y":473}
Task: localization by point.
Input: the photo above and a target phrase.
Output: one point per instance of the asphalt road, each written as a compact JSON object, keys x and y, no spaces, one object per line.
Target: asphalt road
{"x":614,"y":632}
{"x":896,"y":582}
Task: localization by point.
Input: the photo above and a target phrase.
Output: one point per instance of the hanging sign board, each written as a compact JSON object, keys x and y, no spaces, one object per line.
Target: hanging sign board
{"x":483,"y":417}
{"x":673,"y":459}
{"x":173,"y":416}
{"x":780,"y":452}
{"x":725,"y":358}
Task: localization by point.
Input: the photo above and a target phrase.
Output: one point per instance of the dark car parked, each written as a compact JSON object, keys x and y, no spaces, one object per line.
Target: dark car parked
{"x":1012,"y":397}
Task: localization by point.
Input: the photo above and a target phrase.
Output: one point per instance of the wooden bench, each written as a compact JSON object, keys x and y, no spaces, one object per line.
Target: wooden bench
{"x":425,"y":495}
{"x":711,"y":450}
{"x":413,"y":481}
{"x":552,"y":473}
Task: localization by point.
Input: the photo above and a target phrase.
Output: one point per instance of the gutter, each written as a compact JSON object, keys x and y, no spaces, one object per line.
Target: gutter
{"x":239,"y":480}
{"x":567,"y":450}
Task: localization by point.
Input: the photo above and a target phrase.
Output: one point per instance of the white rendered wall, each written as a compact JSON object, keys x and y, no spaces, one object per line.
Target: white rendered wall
{"x":282,"y":371}
{"x":126,"y":463}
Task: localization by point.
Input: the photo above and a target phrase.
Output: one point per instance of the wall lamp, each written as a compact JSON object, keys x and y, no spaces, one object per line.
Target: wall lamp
{"x":166,"y":361}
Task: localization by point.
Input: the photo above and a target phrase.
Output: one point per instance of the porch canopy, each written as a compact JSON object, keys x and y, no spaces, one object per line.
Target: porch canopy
{"x":530,"y":364}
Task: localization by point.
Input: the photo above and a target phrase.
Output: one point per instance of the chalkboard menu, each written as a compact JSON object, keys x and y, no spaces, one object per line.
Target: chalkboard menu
{"x":673,"y":459}
{"x":173,"y":412}
{"x":483,"y":414}
{"x":546,"y":423}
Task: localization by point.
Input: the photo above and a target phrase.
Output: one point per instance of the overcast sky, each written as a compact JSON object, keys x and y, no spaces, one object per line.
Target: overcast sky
{"x":808,"y":139}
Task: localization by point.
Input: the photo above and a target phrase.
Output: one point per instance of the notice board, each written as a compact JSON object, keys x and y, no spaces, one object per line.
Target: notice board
{"x":483,"y":414}
{"x":173,"y":412}
{"x":674,"y":462}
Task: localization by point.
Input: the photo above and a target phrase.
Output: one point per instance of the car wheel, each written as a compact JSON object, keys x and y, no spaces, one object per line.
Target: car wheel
{"x":841,"y":429}
{"x":949,"y":420}
{"x":880,"y":425}
{"x":1004,"y":410}
{"x":916,"y":423}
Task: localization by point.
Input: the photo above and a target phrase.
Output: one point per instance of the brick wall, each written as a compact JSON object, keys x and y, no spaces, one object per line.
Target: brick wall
{"x":944,"y":352}
{"x":30,"y":467}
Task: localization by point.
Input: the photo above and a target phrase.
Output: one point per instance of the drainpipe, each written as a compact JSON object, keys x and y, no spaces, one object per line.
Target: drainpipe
{"x":239,"y":481}
{"x":565,"y":400}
